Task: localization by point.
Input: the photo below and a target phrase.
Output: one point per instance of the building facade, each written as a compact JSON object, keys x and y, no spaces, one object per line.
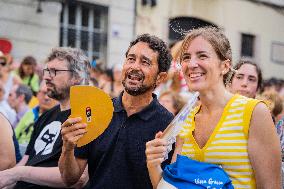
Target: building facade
{"x":255,"y":28}
{"x":102,"y":28}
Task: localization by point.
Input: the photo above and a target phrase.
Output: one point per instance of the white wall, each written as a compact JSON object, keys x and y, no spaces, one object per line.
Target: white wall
{"x":234,"y":16}
{"x":264,"y":22}
{"x":35,"y":34}
{"x":30,"y":33}
{"x":121,"y":30}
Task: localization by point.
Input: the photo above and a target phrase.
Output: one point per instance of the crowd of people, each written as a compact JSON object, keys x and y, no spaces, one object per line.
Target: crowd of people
{"x":237,"y":124}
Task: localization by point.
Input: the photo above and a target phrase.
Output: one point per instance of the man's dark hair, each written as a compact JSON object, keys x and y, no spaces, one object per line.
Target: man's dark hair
{"x":157,"y":45}
{"x":26,"y":91}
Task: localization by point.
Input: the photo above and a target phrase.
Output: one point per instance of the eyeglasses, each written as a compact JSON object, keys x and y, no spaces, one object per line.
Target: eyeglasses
{"x":52,"y":72}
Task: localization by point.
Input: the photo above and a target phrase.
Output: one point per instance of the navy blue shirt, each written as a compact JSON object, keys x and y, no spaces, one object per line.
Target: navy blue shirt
{"x":117,"y":158}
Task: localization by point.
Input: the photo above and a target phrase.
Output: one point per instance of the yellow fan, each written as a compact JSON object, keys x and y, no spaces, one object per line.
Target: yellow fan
{"x":94,"y":107}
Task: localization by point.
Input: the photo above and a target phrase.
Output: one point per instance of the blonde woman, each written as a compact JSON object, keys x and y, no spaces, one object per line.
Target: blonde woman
{"x":229,"y":130}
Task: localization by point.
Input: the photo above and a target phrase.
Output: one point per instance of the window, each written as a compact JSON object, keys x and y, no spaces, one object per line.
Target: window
{"x":84,"y":26}
{"x":179,"y":26}
{"x":277,"y":52}
{"x":247,"y":48}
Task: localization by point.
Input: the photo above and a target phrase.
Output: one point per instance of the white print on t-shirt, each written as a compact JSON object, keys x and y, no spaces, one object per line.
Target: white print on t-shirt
{"x":45,"y":141}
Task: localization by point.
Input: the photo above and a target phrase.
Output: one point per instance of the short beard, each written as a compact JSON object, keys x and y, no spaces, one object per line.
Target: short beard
{"x":140,"y":89}
{"x":59,"y":95}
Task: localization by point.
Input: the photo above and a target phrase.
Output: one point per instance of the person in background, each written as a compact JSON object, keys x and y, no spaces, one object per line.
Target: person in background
{"x":5,"y":108}
{"x":65,"y":67}
{"x":178,"y":79}
{"x":99,"y":76}
{"x":28,"y":75}
{"x":19,"y":98}
{"x":274,"y":102}
{"x":105,"y":80}
{"x":116,"y":159}
{"x":247,"y":79}
{"x":280,"y":131}
{"x":6,"y":76}
{"x":25,"y":127}
{"x":114,"y":87}
{"x":172,"y":83}
{"x":232,"y":131}
{"x":172,"y":101}
{"x":7,"y":149}
{"x":96,"y":72}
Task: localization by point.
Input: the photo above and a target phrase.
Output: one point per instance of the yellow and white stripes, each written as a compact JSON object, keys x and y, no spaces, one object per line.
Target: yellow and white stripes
{"x":227,"y":146}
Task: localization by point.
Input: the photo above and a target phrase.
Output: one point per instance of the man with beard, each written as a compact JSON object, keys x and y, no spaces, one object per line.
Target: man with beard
{"x":39,"y":167}
{"x":116,"y":159}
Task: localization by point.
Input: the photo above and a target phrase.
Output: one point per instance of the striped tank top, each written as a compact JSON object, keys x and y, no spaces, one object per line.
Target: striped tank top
{"x":228,"y":144}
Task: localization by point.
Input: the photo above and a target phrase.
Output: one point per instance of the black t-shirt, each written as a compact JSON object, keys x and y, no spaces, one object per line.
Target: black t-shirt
{"x":117,"y":158}
{"x":44,"y":148}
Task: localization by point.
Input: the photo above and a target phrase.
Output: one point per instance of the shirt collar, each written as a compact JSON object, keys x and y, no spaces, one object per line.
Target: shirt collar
{"x":145,"y":113}
{"x":118,"y":103}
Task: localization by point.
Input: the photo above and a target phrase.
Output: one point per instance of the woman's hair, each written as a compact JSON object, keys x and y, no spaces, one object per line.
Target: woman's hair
{"x":257,"y":68}
{"x":28,"y":60}
{"x":273,"y":100}
{"x":215,"y":37}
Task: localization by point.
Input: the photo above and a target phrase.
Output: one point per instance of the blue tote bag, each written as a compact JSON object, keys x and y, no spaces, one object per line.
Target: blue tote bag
{"x":187,"y":173}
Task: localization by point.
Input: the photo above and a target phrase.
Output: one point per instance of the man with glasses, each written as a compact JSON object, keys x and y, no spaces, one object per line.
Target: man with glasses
{"x":65,"y":67}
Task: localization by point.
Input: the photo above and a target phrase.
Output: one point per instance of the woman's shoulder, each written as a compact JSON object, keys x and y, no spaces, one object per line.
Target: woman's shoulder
{"x":261,"y":118}
{"x":5,"y":124}
{"x":261,"y":108}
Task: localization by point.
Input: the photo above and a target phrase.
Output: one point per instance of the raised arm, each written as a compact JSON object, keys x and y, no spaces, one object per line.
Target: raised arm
{"x":71,"y":168}
{"x":155,"y":152}
{"x":264,"y":149}
{"x":7,"y":149}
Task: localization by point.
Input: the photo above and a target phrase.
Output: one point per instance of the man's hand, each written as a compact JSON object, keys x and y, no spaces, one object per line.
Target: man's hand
{"x":71,"y":168}
{"x":72,"y":130}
